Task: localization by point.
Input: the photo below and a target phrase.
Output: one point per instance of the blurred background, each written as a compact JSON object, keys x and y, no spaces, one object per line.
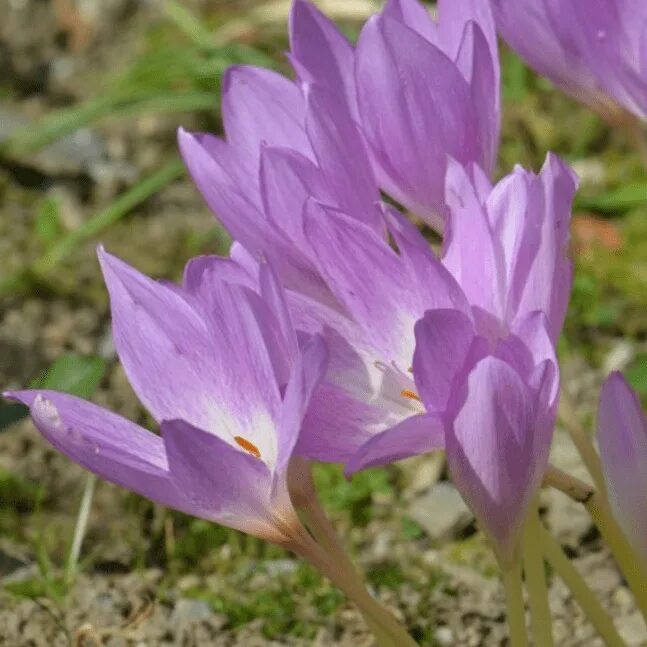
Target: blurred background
{"x":91,"y":95}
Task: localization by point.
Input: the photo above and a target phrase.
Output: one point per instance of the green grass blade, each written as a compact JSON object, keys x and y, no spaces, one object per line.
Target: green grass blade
{"x":188,"y":23}
{"x":111,"y":214}
{"x":623,"y":199}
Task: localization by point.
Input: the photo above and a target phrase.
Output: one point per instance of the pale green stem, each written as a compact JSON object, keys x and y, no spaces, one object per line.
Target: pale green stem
{"x":515,"y":611}
{"x":582,"y":441}
{"x":630,"y":565}
{"x":581,"y":592}
{"x":327,"y":554}
{"x":81,"y":525}
{"x":386,"y":628}
{"x":598,"y":507}
{"x":533,"y":565}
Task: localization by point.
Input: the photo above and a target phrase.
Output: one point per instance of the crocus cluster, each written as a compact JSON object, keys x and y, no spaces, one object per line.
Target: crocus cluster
{"x":334,"y":331}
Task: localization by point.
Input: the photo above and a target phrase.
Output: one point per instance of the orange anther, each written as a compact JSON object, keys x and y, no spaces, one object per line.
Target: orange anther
{"x":412,"y":395}
{"x":247,"y":446}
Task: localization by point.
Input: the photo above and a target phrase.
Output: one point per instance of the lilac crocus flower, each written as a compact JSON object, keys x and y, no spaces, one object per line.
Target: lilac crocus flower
{"x":484,"y":373}
{"x":284,"y":144}
{"x":220,"y":371}
{"x":593,"y":49}
{"x":622,"y":438}
{"x":421,"y":90}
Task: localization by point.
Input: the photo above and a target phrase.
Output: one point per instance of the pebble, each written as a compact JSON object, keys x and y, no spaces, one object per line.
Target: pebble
{"x":441,"y":512}
{"x":189,"y":611}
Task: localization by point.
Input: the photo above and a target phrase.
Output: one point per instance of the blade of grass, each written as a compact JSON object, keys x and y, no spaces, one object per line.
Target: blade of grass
{"x":111,"y":214}
{"x":188,"y":23}
{"x":622,"y":199}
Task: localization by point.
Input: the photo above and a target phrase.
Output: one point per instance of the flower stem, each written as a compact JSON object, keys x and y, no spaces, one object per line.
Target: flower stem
{"x":515,"y":611}
{"x":533,"y":566}
{"x":385,"y":627}
{"x":598,"y":507}
{"x":81,"y":525}
{"x":631,"y":567}
{"x":582,"y":441}
{"x":328,"y":555}
{"x":578,"y":587}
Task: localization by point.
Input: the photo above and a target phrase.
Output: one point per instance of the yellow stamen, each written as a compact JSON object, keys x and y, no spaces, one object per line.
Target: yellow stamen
{"x":412,"y":395}
{"x":247,"y":446}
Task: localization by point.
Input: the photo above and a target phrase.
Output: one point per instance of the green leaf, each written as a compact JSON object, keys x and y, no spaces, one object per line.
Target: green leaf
{"x":73,"y":374}
{"x":48,"y":222}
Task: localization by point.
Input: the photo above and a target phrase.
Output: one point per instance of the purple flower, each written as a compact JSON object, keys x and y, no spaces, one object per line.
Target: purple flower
{"x":622,"y":437}
{"x":219,"y":369}
{"x":285,"y":143}
{"x":421,"y":90}
{"x":484,"y":376}
{"x":593,"y":49}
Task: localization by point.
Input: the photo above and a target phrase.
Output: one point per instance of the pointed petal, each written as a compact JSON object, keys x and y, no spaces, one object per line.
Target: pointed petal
{"x":259,"y":105}
{"x":472,"y":253}
{"x":342,"y":157}
{"x":415,"y":109}
{"x":274,"y":296}
{"x":415,"y":16}
{"x":163,"y":344}
{"x":228,"y":485}
{"x":202,"y":271}
{"x":288,"y":179}
{"x":346,"y":251}
{"x":492,"y":450}
{"x":482,"y":72}
{"x":231,"y":191}
{"x":323,"y":53}
{"x":227,"y":186}
{"x":416,"y":435}
{"x":622,"y":437}
{"x":443,"y":341}
{"x":547,"y":285}
{"x":307,"y":374}
{"x":454,"y":17}
{"x":104,"y":443}
{"x":435,"y":285}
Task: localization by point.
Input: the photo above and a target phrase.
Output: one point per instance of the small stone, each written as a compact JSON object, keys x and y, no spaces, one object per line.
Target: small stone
{"x":632,"y":629}
{"x":422,"y":472}
{"x":619,"y":357}
{"x":277,"y":567}
{"x":189,"y":611}
{"x":441,"y":512}
{"x":444,"y":636}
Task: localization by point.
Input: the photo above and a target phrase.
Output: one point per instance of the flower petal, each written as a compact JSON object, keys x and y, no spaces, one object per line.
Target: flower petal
{"x":307,"y":374}
{"x":259,"y":105}
{"x":492,"y":450}
{"x":321,"y":52}
{"x":547,"y":284}
{"x":454,"y":17}
{"x":342,"y":156}
{"x":472,"y":253}
{"x":622,"y":437}
{"x":443,"y":341}
{"x":416,"y":109}
{"x":104,"y":443}
{"x":231,"y":191}
{"x":228,"y":485}
{"x":163,"y":344}
{"x":415,"y":435}
{"x":347,"y":251}
{"x":415,"y":16}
